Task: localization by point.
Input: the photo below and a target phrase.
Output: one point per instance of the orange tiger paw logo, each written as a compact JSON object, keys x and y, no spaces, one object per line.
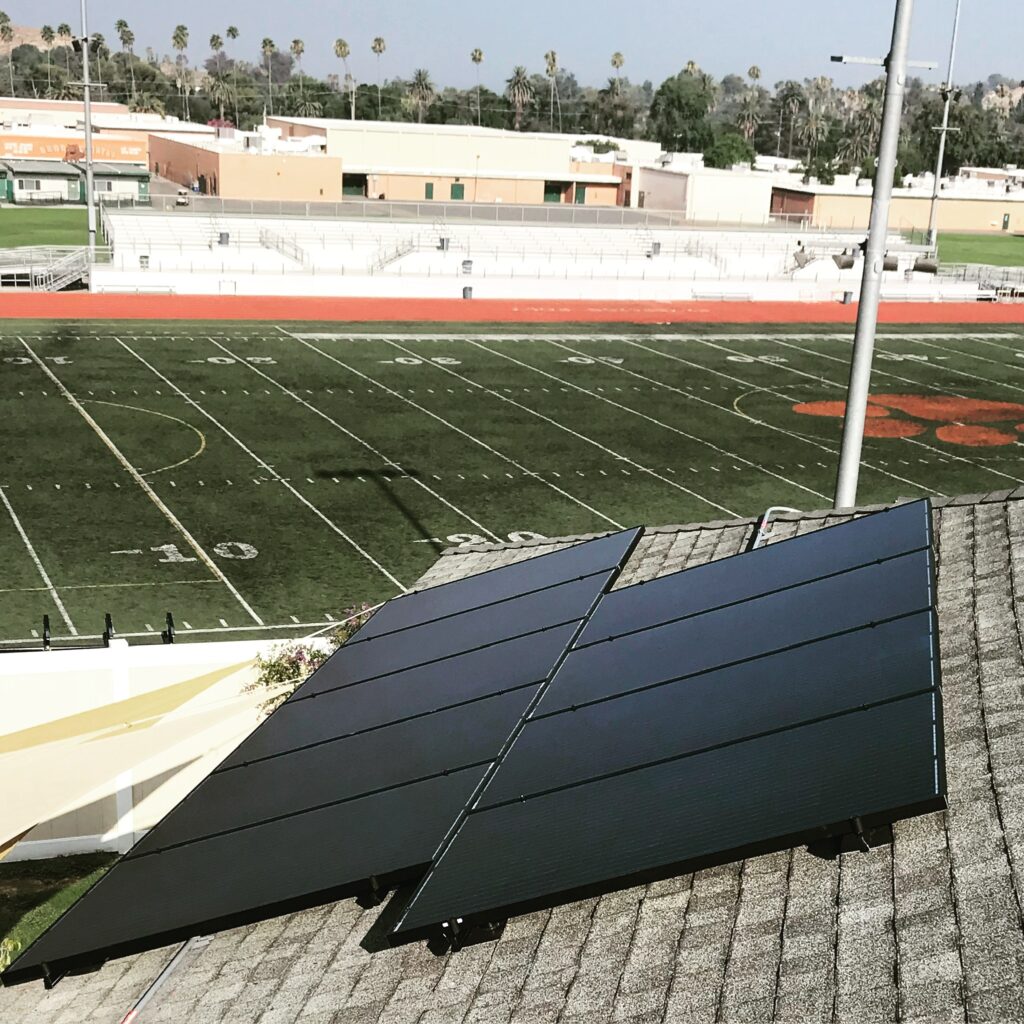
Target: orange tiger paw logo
{"x":965,"y":421}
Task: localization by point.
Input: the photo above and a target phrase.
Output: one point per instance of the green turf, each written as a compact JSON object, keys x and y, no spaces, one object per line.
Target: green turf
{"x":33,"y":894}
{"x":60,"y":226}
{"x":994,"y":250}
{"x":318,"y":473}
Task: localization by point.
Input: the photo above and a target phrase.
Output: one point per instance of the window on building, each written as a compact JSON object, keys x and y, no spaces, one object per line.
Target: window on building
{"x":30,"y":185}
{"x":458,"y":190}
{"x":354,"y":185}
{"x":428,"y":190}
{"x":103,"y":185}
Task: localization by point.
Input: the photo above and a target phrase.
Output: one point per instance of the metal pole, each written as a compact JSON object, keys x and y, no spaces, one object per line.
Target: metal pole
{"x":871,"y":283}
{"x":933,"y":219}
{"x":90,"y":198}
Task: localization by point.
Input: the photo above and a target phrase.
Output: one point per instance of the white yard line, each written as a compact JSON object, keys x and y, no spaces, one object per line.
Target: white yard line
{"x":44,"y":576}
{"x":569,"y":430}
{"x":650,"y":419}
{"x":111,"y":586}
{"x":263,"y":465}
{"x":458,"y":430}
{"x":461,"y":513}
{"x":141,"y":481}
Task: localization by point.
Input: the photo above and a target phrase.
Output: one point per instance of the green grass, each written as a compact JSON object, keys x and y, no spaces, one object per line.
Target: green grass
{"x":33,"y":894}
{"x":994,"y":250}
{"x":61,"y":226}
{"x":318,"y":473}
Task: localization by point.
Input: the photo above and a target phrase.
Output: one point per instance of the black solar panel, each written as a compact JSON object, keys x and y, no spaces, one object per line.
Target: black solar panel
{"x":358,"y":776}
{"x":805,"y":703}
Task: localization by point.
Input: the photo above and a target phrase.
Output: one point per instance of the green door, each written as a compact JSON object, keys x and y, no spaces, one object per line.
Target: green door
{"x":553,"y":191}
{"x":6,"y":187}
{"x":458,"y":191}
{"x":429,"y":190}
{"x":581,"y":194}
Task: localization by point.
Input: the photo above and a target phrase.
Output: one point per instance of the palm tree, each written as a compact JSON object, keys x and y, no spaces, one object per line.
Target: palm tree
{"x":692,"y":68}
{"x":298,"y":48}
{"x":99,"y":45}
{"x":749,"y":114}
{"x":232,"y":34}
{"x":64,"y":35}
{"x":754,"y":74}
{"x":179,"y":40}
{"x":551,"y":65}
{"x":221,"y":91}
{"x":268,"y":49}
{"x":422,"y":91}
{"x":48,"y":36}
{"x":147,"y":103}
{"x":791,"y":99}
{"x":519,"y":91}
{"x":378,"y":47}
{"x":343,"y":51}
{"x":477,"y":57}
{"x":127,"y":40}
{"x":7,"y":36}
{"x":216,"y":46}
{"x":617,"y":61}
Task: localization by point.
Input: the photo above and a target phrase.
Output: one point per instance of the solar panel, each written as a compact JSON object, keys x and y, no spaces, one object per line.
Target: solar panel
{"x":358,"y":776}
{"x":778,"y":696}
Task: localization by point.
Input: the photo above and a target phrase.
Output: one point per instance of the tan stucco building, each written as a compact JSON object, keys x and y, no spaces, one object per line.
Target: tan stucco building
{"x":966,"y":210}
{"x":234,"y":173}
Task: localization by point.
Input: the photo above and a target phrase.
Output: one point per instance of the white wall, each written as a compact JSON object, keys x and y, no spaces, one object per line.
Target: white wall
{"x":97,"y":745}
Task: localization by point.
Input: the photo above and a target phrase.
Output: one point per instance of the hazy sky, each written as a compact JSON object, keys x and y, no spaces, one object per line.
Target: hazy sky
{"x":788,"y":39}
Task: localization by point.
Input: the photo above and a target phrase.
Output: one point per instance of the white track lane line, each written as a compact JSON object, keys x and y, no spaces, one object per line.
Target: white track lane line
{"x":369,"y":447}
{"x":778,"y":394}
{"x":650,"y":419}
{"x":263,"y":465}
{"x":141,"y":481}
{"x":44,"y":576}
{"x":561,"y":426}
{"x":920,"y":444}
{"x":458,"y":430}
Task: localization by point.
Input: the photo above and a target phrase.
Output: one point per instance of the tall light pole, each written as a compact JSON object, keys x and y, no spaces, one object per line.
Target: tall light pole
{"x":874,"y":256}
{"x":90,"y":198}
{"x":933,"y":219}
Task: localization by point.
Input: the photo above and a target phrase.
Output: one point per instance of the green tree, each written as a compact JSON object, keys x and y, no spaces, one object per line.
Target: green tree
{"x":551,"y":68}
{"x":268,"y":49}
{"x":477,"y":57}
{"x":378,"y":46}
{"x":232,"y":34}
{"x":64,"y":35}
{"x":179,"y":41}
{"x":217,"y":48}
{"x":617,"y":61}
{"x":727,"y":150}
{"x":147,"y":103}
{"x":127,"y":40}
{"x":48,"y":36}
{"x":748,"y":116}
{"x":679,"y":114}
{"x":519,"y":91}
{"x":7,"y":36}
{"x":220,"y":90}
{"x":343,"y":51}
{"x":422,"y":91}
{"x":298,"y":48}
{"x":791,"y":99}
{"x":754,"y":73}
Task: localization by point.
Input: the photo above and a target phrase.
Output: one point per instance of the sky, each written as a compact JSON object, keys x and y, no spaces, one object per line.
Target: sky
{"x":785,"y":38}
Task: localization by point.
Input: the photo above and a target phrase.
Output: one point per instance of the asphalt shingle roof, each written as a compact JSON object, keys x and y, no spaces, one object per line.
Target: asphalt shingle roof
{"x":929,"y":929}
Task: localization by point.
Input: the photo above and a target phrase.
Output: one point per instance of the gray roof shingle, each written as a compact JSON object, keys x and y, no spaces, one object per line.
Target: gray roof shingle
{"x":929,"y":929}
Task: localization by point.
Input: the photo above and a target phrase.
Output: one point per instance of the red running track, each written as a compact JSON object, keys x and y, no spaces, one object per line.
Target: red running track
{"x":86,"y":306}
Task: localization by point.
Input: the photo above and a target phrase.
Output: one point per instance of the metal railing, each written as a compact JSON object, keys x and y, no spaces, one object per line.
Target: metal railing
{"x":985,"y":273}
{"x":47,"y":267}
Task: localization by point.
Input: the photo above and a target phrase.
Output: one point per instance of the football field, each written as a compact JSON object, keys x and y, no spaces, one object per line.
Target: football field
{"x":258,"y":479}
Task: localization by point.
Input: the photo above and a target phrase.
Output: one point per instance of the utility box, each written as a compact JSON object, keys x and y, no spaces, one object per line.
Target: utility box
{"x":467,"y":292}
{"x":223,"y":238}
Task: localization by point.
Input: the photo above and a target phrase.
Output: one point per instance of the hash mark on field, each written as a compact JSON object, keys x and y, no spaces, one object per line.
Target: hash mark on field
{"x":294,"y":619}
{"x":223,"y":623}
